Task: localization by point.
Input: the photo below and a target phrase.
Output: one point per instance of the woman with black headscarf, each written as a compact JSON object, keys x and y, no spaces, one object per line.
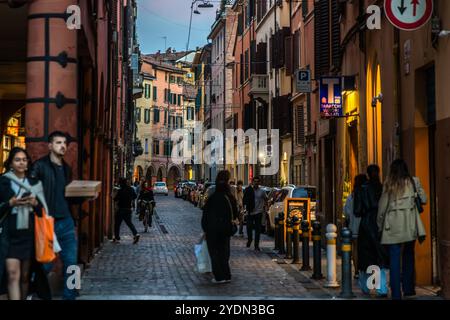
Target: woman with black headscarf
{"x":219,"y":214}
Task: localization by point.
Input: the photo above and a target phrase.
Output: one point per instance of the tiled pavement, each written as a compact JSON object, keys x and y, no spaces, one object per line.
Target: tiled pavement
{"x":161,"y":265}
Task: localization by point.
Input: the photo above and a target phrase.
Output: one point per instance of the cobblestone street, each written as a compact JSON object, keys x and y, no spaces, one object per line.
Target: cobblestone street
{"x":161,"y":265}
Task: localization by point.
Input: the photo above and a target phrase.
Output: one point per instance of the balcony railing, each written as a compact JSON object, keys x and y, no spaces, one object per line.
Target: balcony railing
{"x":259,"y":84}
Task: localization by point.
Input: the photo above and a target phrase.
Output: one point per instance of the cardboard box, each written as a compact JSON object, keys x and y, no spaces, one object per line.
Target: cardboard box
{"x":83,"y":188}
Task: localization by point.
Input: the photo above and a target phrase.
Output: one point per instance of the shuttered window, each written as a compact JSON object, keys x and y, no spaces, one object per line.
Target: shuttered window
{"x":147,"y":116}
{"x":156,"y":147}
{"x":335,"y":35}
{"x":296,"y":51}
{"x":288,"y":55}
{"x":138,"y":115}
{"x":155,"y":93}
{"x":327,"y":37}
{"x":300,"y":125}
{"x":246,"y":65}
{"x":156,"y":115}
{"x":261,"y":60}
{"x":253,"y":57}
{"x":322,"y":37}
{"x":305,"y":8}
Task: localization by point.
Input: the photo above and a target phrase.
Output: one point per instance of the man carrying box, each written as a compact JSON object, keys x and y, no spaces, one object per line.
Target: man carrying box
{"x":55,"y":175}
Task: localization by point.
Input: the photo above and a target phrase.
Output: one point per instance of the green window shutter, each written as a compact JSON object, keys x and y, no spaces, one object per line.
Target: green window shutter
{"x":155,"y":93}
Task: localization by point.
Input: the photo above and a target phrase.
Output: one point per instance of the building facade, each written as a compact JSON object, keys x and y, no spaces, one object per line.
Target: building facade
{"x":78,"y":81}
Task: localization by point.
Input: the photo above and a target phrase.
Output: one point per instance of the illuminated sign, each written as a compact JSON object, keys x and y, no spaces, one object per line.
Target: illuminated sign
{"x":330,"y":97}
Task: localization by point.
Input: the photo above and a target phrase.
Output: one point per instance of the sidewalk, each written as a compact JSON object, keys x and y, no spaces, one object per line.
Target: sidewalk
{"x":317,"y":287}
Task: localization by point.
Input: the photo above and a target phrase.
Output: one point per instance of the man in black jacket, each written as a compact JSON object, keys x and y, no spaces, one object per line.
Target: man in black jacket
{"x":55,"y":175}
{"x":124,"y":198}
{"x":254,"y":201}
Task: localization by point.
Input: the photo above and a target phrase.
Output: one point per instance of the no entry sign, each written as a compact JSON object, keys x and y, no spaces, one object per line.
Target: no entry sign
{"x":408,"y":14}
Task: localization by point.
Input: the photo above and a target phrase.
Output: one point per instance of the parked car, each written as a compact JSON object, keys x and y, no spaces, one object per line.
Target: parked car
{"x":277,"y":205}
{"x":188,"y":186}
{"x":160,"y":187}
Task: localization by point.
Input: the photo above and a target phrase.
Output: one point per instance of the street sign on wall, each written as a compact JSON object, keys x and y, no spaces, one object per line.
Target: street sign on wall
{"x":303,"y":81}
{"x":331,"y":97}
{"x":408,"y":14}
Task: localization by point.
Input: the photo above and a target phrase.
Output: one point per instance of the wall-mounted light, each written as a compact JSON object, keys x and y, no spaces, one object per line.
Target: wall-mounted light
{"x":378,"y":98}
{"x":444,"y":33}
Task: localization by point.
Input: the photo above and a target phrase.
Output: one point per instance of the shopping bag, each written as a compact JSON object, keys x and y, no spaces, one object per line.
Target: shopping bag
{"x":44,"y":237}
{"x":203,"y":264}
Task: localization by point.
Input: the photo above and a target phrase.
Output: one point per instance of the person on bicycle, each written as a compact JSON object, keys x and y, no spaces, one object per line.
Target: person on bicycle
{"x":146,"y":198}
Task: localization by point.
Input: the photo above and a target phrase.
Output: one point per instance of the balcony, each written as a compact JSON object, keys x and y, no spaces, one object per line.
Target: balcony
{"x":259,"y":85}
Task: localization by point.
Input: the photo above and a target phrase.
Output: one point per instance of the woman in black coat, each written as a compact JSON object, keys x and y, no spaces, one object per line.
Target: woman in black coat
{"x":219,"y":214}
{"x":370,"y":250}
{"x":17,"y":210}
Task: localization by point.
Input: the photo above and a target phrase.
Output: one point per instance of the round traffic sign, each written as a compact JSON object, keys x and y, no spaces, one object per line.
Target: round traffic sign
{"x":408,"y":14}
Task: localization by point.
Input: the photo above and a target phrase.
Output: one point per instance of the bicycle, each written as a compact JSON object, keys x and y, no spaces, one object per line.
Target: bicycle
{"x":146,"y":213}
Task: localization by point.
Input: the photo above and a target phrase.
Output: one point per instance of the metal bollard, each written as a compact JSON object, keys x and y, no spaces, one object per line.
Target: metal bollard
{"x":346,"y":236}
{"x":296,"y":230}
{"x":305,"y":246}
{"x":331,"y":257}
{"x":281,"y":231}
{"x":317,"y":251}
{"x":288,"y":238}
{"x":276,"y":234}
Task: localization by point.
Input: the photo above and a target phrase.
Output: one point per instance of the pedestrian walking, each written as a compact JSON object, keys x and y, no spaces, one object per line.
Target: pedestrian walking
{"x":370,"y":250}
{"x":17,"y":209}
{"x":55,"y":174}
{"x":353,"y":221}
{"x":254,"y":201}
{"x":240,"y":205}
{"x":400,"y":225}
{"x":218,"y":224}
{"x":124,"y":199}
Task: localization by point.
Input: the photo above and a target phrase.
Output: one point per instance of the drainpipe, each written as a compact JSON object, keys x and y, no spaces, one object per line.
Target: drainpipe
{"x":398,"y":90}
{"x":292,"y":105}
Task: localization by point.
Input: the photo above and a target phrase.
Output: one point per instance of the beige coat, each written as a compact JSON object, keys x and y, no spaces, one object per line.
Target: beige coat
{"x":398,"y":219}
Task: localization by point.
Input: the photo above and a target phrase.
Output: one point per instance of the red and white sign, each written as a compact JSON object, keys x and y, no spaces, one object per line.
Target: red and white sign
{"x":408,"y":14}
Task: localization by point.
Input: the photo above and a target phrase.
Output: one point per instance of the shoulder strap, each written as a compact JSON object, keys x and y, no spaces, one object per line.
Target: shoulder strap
{"x":231,"y":207}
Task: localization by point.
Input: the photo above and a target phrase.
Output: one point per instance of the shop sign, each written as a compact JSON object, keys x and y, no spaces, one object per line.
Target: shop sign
{"x":331,"y":97}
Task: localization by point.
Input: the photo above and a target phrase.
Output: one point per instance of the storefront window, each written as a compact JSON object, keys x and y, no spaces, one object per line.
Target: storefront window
{"x":13,"y":136}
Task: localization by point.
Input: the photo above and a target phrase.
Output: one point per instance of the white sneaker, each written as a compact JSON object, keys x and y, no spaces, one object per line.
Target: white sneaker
{"x":218,"y":282}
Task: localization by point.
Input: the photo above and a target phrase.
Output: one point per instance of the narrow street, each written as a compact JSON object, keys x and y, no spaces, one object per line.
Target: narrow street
{"x":161,"y":265}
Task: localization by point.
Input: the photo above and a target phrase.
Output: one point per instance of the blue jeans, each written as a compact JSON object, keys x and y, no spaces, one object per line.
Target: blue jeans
{"x":362,"y":281}
{"x":405,"y":276}
{"x":65,"y":233}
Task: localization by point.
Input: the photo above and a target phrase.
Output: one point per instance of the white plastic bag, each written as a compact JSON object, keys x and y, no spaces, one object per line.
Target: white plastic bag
{"x":202,"y":256}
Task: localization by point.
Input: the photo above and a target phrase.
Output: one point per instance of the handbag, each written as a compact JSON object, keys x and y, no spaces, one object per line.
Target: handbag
{"x":417,"y":199}
{"x":234,"y":227}
{"x":203,"y":260}
{"x":44,"y":237}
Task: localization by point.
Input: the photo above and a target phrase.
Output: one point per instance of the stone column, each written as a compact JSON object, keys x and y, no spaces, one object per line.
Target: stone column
{"x":51,"y":78}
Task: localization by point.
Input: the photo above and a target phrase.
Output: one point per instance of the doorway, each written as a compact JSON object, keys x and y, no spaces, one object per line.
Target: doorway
{"x":427,"y":259}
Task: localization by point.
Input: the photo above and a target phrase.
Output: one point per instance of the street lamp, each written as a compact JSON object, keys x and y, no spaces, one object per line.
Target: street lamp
{"x":204,"y":4}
